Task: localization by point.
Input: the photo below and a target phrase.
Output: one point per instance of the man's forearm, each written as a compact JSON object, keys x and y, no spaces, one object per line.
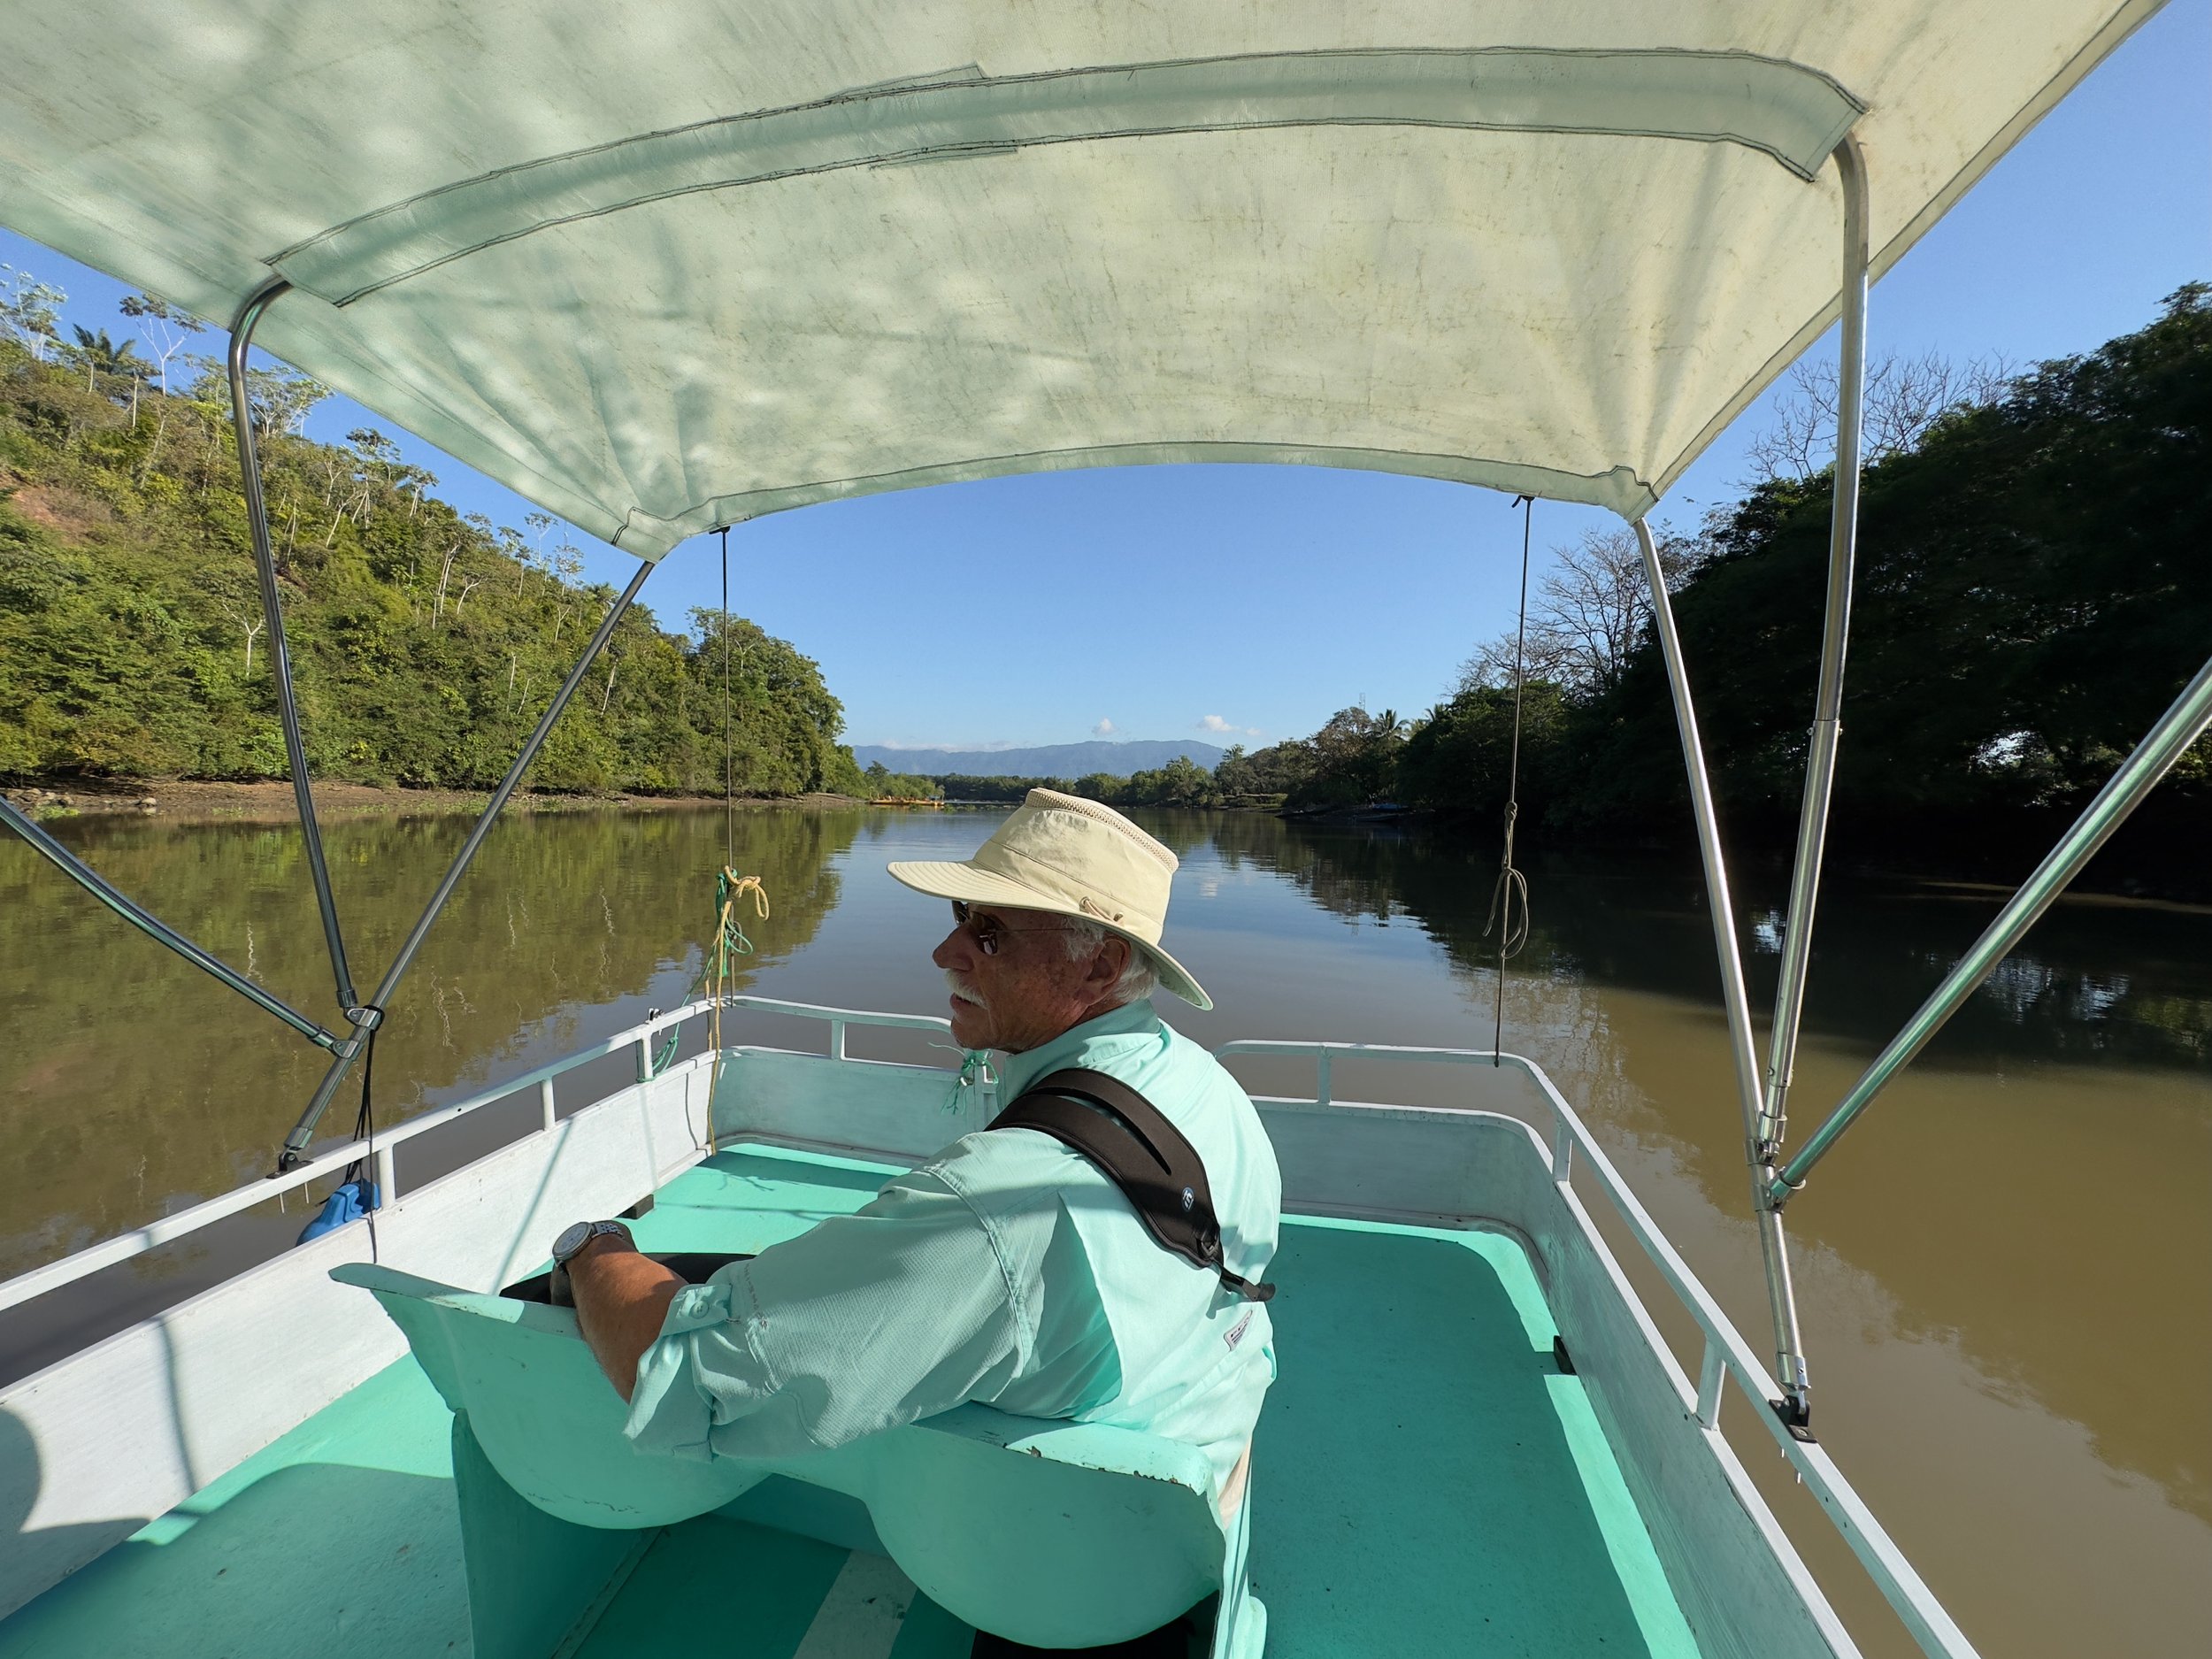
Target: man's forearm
{"x":621,"y":1299}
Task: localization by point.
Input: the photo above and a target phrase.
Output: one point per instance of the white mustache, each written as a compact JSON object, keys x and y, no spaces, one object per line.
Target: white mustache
{"x":964,"y":991}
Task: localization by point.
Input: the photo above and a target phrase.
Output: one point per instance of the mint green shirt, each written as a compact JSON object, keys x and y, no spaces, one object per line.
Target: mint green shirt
{"x":1008,"y":1270}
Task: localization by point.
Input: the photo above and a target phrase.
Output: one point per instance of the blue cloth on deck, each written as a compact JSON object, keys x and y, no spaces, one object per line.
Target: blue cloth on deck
{"x":347,"y":1201}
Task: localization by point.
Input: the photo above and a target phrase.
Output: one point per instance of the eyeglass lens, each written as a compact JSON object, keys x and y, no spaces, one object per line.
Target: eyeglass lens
{"x":986,"y":930}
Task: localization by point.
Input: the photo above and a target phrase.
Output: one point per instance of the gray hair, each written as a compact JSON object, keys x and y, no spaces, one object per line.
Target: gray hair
{"x":1139,"y":980}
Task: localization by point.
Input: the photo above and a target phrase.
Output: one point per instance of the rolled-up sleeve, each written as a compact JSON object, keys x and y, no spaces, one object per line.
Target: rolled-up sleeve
{"x":898,"y":1311}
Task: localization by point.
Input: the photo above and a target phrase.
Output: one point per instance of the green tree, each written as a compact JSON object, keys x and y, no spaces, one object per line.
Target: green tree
{"x":1460,"y":757}
{"x":132,"y":639}
{"x":1182,"y":783}
{"x":30,"y":310}
{"x":100,"y":355}
{"x":1276,"y":769}
{"x":1355,"y":759}
{"x":882,"y":784}
{"x":2034,"y":584}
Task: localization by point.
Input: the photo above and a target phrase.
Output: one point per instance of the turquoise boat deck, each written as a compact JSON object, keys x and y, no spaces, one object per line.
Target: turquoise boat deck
{"x":1426,"y":1480}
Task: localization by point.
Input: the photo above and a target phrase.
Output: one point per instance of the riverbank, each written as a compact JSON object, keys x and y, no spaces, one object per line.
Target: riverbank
{"x":270,"y":800}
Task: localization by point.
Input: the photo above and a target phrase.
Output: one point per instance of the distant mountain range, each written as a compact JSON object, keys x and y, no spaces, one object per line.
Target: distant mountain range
{"x":1055,"y":760}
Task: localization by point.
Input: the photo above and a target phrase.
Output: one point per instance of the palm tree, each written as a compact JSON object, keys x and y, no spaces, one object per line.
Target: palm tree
{"x":101,"y":356}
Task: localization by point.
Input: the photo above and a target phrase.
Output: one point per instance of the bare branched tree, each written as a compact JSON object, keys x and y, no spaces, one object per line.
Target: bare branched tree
{"x":445,"y":577}
{"x":238,"y":602}
{"x":414,"y":482}
{"x":280,"y":400}
{"x":30,"y":310}
{"x":1905,"y":397}
{"x":563,"y":567}
{"x":164,"y":329}
{"x":377,"y":453}
{"x":526,"y":556}
{"x":1586,"y":617}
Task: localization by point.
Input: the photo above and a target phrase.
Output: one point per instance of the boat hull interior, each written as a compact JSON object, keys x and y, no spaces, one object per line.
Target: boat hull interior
{"x":1476,"y":1442}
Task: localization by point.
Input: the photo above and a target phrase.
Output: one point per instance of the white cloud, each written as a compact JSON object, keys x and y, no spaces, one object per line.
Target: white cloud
{"x":1104,"y":728}
{"x":1213,"y":725}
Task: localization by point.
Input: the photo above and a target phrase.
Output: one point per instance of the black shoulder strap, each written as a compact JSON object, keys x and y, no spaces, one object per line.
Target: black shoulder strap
{"x":1142,"y":1153}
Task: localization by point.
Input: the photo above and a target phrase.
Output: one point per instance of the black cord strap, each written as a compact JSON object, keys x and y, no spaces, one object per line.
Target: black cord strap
{"x":1134,"y":1146}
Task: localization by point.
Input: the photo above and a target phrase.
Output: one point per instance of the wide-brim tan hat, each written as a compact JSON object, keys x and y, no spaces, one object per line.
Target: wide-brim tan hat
{"x":1070,"y":856}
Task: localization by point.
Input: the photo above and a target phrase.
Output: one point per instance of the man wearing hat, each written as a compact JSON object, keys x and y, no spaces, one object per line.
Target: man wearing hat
{"x":1010,"y":1269}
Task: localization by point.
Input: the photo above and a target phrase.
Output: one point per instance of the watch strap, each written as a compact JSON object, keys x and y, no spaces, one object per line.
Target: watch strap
{"x":592,"y":1230}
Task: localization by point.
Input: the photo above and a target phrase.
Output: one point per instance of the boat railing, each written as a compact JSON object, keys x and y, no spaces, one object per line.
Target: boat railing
{"x":839,"y":1019}
{"x":382,"y":1148}
{"x":1726,"y":1354}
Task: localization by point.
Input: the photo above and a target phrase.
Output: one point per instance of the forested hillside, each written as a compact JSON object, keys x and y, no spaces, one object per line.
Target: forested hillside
{"x":426,"y":643}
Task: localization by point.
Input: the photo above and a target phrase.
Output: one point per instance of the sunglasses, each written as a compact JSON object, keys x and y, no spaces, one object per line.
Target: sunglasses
{"x":988,"y":931}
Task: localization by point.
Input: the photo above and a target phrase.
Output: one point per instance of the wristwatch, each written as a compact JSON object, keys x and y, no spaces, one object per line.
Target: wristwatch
{"x":574,"y":1238}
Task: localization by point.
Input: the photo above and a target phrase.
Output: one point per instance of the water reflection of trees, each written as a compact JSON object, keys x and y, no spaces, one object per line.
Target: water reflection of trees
{"x":130,"y":1085}
{"x":2128,"y":982}
{"x":2064,"y":1228}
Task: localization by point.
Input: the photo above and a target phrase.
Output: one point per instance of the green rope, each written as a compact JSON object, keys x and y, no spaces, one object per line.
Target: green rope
{"x":717,"y":962}
{"x":975,"y":1066}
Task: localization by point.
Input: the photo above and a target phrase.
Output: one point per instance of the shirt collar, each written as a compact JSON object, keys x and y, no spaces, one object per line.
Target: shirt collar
{"x":1017,"y":1072}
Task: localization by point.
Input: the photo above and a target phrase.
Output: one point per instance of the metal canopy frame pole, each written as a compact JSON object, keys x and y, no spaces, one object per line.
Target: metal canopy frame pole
{"x":1781,"y":1297}
{"x":280,"y":656}
{"x":2182,"y":725}
{"x":303,"y":1131}
{"x":1765,"y":1108}
{"x":1827,"y":728}
{"x":93,"y":882}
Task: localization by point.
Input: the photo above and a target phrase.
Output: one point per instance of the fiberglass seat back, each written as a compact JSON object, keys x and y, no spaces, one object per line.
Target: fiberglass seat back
{"x":1056,"y":1535}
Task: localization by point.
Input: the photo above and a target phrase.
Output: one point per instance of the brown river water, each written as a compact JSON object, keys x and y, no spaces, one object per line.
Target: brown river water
{"x":2006,"y":1269}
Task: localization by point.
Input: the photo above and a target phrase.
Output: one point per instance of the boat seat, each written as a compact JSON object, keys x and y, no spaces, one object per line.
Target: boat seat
{"x":1050,"y":1533}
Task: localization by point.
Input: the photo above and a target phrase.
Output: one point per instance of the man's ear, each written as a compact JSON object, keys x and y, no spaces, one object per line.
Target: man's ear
{"x":1110,"y":963}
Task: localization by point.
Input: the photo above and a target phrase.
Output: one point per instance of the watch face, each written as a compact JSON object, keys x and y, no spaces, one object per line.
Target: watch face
{"x":572,"y":1238}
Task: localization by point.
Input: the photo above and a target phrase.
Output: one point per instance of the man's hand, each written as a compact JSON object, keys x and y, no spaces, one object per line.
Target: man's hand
{"x":620,"y":1299}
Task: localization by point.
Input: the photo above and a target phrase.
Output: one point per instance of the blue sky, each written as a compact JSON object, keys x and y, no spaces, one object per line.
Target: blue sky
{"x":1249,"y":603}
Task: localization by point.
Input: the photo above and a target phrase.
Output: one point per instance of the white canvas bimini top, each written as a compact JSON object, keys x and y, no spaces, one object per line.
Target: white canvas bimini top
{"x":660,"y":266}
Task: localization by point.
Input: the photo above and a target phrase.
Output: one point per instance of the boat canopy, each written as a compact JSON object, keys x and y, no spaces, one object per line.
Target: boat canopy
{"x":659,"y":267}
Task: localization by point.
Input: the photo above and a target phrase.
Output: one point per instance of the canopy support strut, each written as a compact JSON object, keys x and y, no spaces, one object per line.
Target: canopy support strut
{"x":280,"y":655}
{"x":1743,"y":1048}
{"x":1765,"y":1109}
{"x":1827,"y":728}
{"x":295,"y":1143}
{"x":146,"y":923}
{"x":2182,"y":725}
{"x":1771,"y":1123}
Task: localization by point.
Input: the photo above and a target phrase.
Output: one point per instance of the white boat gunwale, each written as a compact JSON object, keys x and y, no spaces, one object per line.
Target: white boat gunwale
{"x":664,"y":1104}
